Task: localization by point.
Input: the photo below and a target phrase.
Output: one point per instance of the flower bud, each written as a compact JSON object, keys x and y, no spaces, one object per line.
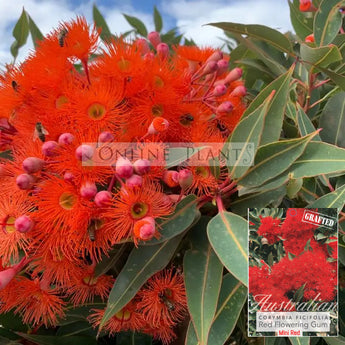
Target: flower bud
{"x":233,"y":75}
{"x":239,"y":91}
{"x":49,"y":148}
{"x":84,"y":152}
{"x":162,"y":50}
{"x":185,"y":178}
{"x":102,"y":198}
{"x":149,"y":56}
{"x":225,"y":107}
{"x":145,"y":228}
{"x":23,"y":224}
{"x":32,"y":164}
{"x":66,"y":139}
{"x":142,"y":166}
{"x":124,"y":168}
{"x":105,"y":137}
{"x":154,"y":38}
{"x":134,"y":181}
{"x":171,"y":178}
{"x":222,"y":66}
{"x":142,"y":45}
{"x":210,"y":67}
{"x":25,"y":181}
{"x":264,"y":240}
{"x":216,"y":56}
{"x":88,"y":190}
{"x":219,"y":90}
{"x":68,"y":176}
{"x":159,"y":124}
{"x":6,"y":276}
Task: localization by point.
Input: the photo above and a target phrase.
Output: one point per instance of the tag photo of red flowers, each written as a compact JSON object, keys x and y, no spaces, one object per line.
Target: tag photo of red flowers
{"x":293,"y":272}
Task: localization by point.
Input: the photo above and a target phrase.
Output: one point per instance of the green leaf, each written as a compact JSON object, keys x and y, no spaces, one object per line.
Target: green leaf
{"x":320,"y":57}
{"x":137,"y":24}
{"x":141,"y":264}
{"x":260,"y":199}
{"x":340,"y":340}
{"x":102,"y":24}
{"x":337,"y":78}
{"x":82,"y":328}
{"x":35,"y":32}
{"x":273,"y":159}
{"x":275,"y":115}
{"x":191,"y":338}
{"x":301,"y":23}
{"x":334,"y":199}
{"x":54,"y":340}
{"x":132,"y":338}
{"x":20,"y":33}
{"x":299,"y":340}
{"x":327,"y":21}
{"x":203,"y":277}
{"x":231,"y":300}
{"x":260,"y":32}
{"x":305,"y":126}
{"x":248,"y":131}
{"x":271,"y":184}
{"x":317,"y":159}
{"x":183,"y":217}
{"x":228,"y":234}
{"x":157,"y":18}
{"x":332,"y":120}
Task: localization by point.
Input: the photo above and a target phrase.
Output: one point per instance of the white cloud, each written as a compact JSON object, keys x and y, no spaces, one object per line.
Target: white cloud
{"x":191,"y":16}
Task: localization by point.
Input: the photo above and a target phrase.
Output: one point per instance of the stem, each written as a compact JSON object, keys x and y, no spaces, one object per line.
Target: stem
{"x":328,"y":183}
{"x":220,"y":204}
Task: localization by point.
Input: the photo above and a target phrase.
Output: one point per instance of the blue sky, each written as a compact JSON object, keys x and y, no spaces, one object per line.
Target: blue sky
{"x":188,"y":15}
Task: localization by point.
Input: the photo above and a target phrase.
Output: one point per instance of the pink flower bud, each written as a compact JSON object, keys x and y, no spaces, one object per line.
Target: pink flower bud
{"x":105,"y":137}
{"x":102,"y":198}
{"x":145,"y":228}
{"x":233,"y":75}
{"x":134,"y":181}
{"x":162,"y":50}
{"x":185,"y":178}
{"x":216,"y":56}
{"x":211,"y":67}
{"x":219,"y":90}
{"x":222,"y":66}
{"x":68,"y":176}
{"x":225,"y":107}
{"x":142,"y":45}
{"x":171,"y":178}
{"x":32,"y":164}
{"x":25,"y":181}
{"x":23,"y":224}
{"x":149,"y":56}
{"x":66,"y":138}
{"x":142,"y":166}
{"x":124,"y":168}
{"x":88,"y":190}
{"x":239,"y":91}
{"x":6,"y":276}
{"x":49,"y":148}
{"x":84,"y":152}
{"x":154,"y":38}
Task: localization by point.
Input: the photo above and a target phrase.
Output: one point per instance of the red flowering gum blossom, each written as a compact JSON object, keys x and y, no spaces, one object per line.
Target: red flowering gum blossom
{"x":270,"y":229}
{"x":310,"y":39}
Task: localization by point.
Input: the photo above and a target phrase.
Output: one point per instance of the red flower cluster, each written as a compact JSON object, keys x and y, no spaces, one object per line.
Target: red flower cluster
{"x":60,"y":210}
{"x":310,"y":267}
